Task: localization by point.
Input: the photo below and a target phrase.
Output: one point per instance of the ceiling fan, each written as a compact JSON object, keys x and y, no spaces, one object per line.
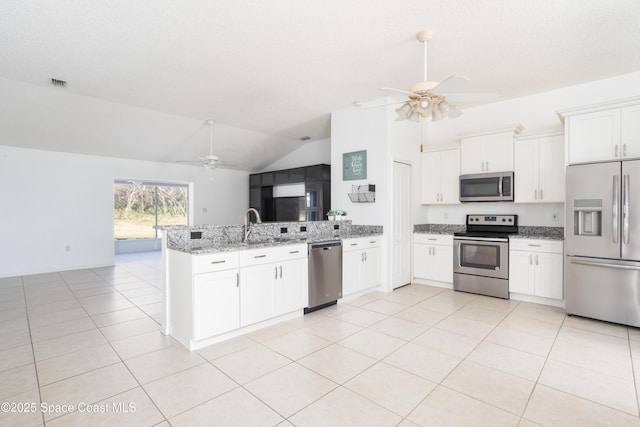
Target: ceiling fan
{"x":210,"y":161}
{"x":426,"y":98}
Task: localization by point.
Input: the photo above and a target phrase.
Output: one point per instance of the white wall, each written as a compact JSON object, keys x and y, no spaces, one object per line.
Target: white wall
{"x":374,"y":130}
{"x":536,"y":113}
{"x":51,"y":200}
{"x":309,"y":153}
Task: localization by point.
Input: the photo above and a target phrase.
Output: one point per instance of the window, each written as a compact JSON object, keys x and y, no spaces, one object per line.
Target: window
{"x":141,"y":206}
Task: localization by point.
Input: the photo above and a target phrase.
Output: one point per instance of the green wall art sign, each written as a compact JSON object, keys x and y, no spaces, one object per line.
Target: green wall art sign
{"x":354,"y":165}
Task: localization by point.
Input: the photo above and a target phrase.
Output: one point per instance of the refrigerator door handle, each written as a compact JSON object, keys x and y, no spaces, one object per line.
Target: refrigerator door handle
{"x":625,"y":208}
{"x":605,"y":264}
{"x":616,"y":204}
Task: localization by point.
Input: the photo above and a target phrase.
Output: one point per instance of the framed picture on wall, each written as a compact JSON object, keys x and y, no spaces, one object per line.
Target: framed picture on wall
{"x":354,"y":165}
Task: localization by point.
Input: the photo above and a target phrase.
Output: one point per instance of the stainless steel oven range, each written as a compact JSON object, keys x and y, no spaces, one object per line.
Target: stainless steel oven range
{"x":481,"y":255}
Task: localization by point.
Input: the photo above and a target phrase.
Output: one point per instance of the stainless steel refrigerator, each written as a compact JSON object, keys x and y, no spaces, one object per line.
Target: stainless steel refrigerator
{"x":602,"y":247}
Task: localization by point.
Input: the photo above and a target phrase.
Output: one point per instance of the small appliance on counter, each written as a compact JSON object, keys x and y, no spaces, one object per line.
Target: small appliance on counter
{"x":487,"y":187}
{"x":481,"y":255}
{"x":602,"y":246}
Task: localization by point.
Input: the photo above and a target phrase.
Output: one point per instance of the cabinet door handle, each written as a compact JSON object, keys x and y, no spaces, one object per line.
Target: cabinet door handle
{"x":624,"y":150}
{"x":259,"y":256}
{"x":429,"y":250}
{"x":281,"y":272}
{"x":541,"y":194}
{"x":276,"y":269}
{"x":487,"y":166}
{"x":537,"y":259}
{"x":365,"y":257}
{"x":434,"y":250}
{"x":616,"y":151}
{"x":530,"y":259}
{"x":535,"y":194}
{"x":237,"y":280}
{"x":219,"y":262}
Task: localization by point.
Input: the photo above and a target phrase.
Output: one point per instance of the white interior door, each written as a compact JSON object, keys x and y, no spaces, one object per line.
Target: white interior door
{"x":401,"y":267}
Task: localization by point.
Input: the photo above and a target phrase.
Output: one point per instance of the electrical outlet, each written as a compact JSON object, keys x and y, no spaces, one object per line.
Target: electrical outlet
{"x":555,"y":216}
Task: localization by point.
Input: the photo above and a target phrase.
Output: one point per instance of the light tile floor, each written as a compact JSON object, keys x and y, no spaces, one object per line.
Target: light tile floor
{"x":84,"y":348}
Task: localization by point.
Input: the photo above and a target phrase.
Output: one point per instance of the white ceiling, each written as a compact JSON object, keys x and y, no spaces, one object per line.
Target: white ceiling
{"x":271,"y":71}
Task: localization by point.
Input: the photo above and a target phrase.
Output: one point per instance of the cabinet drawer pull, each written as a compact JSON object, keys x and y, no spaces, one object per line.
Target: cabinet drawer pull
{"x":259,"y":256}
{"x":431,"y":238}
{"x":294,"y":252}
{"x":373,"y":241}
{"x":535,"y":246}
{"x":354,"y":244}
{"x":219,"y":262}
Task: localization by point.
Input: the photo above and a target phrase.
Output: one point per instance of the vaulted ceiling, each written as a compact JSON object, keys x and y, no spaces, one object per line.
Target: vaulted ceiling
{"x":143,"y":76}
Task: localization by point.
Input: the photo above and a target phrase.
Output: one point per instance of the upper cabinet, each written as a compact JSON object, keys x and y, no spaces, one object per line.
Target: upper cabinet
{"x":603,"y":132}
{"x":488,"y":152}
{"x":440,"y":176}
{"x":539,"y":168}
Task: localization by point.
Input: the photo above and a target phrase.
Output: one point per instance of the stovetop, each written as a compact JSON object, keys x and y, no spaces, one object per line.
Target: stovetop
{"x":499,"y":226}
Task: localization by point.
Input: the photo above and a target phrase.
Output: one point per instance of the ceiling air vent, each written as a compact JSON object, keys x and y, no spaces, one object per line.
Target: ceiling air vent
{"x":58,"y":83}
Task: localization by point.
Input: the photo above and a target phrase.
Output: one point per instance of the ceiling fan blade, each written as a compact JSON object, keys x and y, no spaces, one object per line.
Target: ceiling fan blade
{"x":400,"y":91}
{"x":193,"y":162}
{"x":366,"y":107}
{"x":451,"y":83}
{"x":473,"y":97}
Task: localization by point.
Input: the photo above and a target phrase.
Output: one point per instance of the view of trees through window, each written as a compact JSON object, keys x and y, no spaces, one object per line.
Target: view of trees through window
{"x":139,"y":208}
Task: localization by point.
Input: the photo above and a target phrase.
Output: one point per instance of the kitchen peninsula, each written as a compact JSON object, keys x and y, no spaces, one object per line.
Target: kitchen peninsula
{"x":217,"y":286}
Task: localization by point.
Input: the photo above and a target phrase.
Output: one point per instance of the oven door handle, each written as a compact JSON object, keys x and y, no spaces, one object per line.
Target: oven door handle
{"x":482,"y":239}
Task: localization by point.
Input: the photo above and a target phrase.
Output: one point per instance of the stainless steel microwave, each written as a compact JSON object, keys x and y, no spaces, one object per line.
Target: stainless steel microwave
{"x":487,"y":187}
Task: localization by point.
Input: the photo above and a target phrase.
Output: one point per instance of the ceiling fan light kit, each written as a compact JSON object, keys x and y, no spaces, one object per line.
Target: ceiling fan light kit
{"x":423,"y":101}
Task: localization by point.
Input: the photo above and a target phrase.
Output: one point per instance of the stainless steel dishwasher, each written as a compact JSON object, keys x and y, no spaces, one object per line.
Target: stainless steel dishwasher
{"x":325,"y":274}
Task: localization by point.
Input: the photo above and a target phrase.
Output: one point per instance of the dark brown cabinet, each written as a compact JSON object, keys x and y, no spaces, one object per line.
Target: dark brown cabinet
{"x":317,"y":189}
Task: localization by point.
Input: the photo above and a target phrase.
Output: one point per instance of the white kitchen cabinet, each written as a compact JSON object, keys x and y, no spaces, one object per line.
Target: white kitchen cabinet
{"x":360,"y":264}
{"x":604,"y":133}
{"x":258,"y":293}
{"x":440,"y":176}
{"x":539,"y":169}
{"x":273,"y":282}
{"x":488,"y":151}
{"x":203,"y":296}
{"x":292,"y":288}
{"x":630,"y":132}
{"x":433,"y":257}
{"x":535,"y":268}
{"x":216,"y":303}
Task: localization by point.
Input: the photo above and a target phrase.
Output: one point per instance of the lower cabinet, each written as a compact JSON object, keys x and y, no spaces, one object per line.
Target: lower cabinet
{"x":535,"y":268}
{"x":213,"y":294}
{"x":360,"y":264}
{"x":216,"y":303}
{"x":433,"y":257}
{"x":203,"y":297}
{"x":273,"y":282}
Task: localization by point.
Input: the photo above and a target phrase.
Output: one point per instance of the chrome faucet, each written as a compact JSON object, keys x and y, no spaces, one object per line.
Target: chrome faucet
{"x":247,"y":222}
